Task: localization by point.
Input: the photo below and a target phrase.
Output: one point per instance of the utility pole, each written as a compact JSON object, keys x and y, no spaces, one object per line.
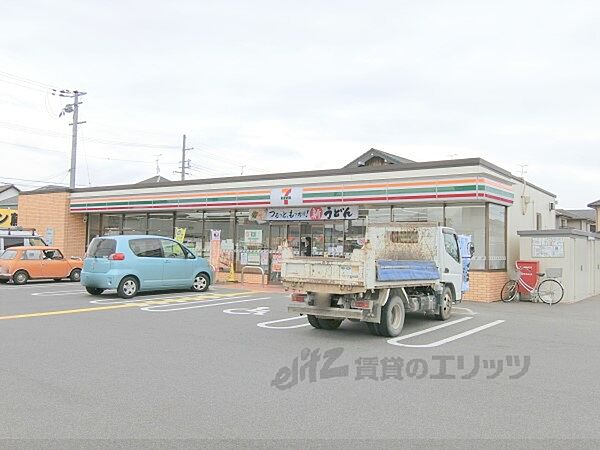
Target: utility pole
{"x":185,"y":164}
{"x":72,"y":108}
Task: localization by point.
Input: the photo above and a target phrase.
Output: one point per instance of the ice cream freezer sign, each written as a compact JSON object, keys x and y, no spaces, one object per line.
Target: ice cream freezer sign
{"x":314,"y":214}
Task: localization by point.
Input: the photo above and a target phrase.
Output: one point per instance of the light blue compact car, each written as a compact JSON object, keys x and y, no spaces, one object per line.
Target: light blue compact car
{"x":132,"y":263}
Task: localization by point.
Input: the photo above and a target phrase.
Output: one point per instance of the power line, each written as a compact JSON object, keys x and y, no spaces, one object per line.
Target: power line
{"x":25,"y":79}
{"x":107,"y":158}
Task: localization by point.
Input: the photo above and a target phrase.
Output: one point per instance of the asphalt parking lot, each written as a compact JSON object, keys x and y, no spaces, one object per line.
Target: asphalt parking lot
{"x":231,"y":363}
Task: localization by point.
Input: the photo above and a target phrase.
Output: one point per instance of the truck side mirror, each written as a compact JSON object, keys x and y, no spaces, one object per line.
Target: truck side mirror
{"x":471,"y":249}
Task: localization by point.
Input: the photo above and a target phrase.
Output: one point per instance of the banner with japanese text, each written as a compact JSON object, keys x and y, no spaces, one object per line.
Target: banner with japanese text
{"x":314,"y":213}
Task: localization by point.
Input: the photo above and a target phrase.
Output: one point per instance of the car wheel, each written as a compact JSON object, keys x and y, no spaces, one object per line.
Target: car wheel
{"x":201,"y":283}
{"x":94,"y":291}
{"x":446,"y":306}
{"x":128,"y":287}
{"x":20,"y":277}
{"x":75,"y":275}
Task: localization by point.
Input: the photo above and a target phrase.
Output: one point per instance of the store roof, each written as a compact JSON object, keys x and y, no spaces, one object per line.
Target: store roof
{"x":348,"y":170}
{"x":594,"y":204}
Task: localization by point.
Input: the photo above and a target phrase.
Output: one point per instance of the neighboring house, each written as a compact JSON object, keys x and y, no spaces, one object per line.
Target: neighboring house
{"x":596,"y":205}
{"x":576,"y":219}
{"x":154,"y":180}
{"x":376,"y":157}
{"x":9,"y":195}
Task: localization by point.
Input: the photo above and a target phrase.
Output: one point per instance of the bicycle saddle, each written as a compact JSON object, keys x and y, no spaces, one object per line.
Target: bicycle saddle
{"x":542,"y":274}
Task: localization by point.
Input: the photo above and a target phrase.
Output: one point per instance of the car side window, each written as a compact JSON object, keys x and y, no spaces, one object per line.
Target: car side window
{"x":146,"y":248}
{"x":32,"y":255}
{"x":172,"y":249}
{"x":53,"y":254}
{"x":451,"y":245}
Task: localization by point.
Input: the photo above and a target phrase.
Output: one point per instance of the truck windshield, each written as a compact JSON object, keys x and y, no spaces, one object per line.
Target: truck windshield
{"x":102,"y":248}
{"x":8,"y":254}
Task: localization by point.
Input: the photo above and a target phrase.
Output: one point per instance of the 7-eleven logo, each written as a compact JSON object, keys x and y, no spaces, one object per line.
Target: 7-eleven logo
{"x":286,"y":195}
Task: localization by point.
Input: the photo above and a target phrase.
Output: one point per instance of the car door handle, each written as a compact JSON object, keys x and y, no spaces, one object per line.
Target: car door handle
{"x":446,"y":270}
{"x":167,"y":261}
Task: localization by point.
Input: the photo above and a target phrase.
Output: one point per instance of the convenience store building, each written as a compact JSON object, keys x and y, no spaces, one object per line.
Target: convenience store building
{"x":240,"y":221}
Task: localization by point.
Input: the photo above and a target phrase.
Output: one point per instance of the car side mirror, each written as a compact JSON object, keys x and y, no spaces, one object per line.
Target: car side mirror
{"x":471,"y":249}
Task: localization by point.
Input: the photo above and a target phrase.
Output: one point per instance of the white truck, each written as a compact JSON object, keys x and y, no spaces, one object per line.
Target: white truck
{"x":400,"y":268}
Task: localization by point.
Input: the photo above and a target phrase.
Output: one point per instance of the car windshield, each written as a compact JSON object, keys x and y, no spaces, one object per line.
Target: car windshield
{"x":102,"y":248}
{"x":8,"y":254}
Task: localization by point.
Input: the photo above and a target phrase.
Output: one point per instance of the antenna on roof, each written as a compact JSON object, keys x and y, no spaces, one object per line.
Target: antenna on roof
{"x":157,"y":164}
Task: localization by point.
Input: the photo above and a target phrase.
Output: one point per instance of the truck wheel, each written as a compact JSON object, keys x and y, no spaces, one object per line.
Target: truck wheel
{"x":313,"y":321}
{"x":446,"y":306}
{"x":372,"y":328}
{"x":330,"y":324}
{"x":392,"y":318}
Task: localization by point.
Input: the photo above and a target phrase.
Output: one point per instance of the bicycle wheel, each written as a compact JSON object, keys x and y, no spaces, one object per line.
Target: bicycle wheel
{"x":509,"y":291}
{"x":550,"y":292}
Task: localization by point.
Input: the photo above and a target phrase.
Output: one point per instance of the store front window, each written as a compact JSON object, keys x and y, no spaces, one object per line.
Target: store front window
{"x":355,"y":236}
{"x":244,"y":238}
{"x":135,"y":224}
{"x":470,"y":220}
{"x":219,"y":245}
{"x":111,"y":224}
{"x":94,"y":229}
{"x":160,"y":224}
{"x":192,"y":224}
{"x":497,"y":239}
{"x":252,"y":242}
{"x":431,"y":214}
{"x":381,"y":214}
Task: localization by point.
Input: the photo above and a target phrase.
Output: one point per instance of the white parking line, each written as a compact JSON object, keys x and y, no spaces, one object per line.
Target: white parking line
{"x":169,"y":308}
{"x":466,"y":310}
{"x":199,"y":297}
{"x":58,"y":293}
{"x":45,"y":287}
{"x":396,"y":341}
{"x":266,"y":324}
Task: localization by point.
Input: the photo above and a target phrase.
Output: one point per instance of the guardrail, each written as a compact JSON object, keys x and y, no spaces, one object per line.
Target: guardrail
{"x":262,"y":271}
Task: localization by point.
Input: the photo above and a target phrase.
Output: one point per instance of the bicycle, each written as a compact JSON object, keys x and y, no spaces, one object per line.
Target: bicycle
{"x":549,"y":291}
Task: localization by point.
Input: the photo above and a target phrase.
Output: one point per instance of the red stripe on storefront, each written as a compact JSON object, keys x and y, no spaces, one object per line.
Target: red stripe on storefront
{"x":494,"y":197}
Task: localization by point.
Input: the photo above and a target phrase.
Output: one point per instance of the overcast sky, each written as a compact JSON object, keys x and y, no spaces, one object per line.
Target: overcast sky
{"x":299,"y":85}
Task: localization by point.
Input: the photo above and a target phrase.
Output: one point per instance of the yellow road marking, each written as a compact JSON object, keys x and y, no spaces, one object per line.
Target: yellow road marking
{"x":65,"y":311}
{"x":141,"y":303}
